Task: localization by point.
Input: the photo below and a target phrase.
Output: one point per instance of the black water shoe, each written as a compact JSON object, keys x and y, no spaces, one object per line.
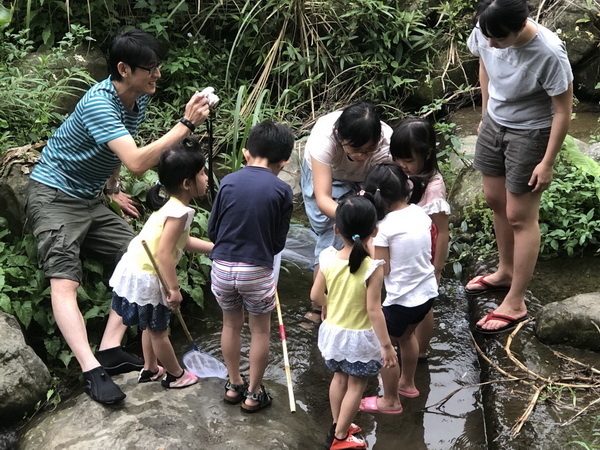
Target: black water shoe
{"x":116,"y":361}
{"x":101,"y":387}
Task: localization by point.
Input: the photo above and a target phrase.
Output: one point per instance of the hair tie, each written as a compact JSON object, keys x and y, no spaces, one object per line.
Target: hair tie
{"x":355,"y":237}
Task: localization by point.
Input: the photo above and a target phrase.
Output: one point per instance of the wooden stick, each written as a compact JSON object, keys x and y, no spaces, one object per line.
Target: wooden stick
{"x":286,"y":361}
{"x":167,"y":290}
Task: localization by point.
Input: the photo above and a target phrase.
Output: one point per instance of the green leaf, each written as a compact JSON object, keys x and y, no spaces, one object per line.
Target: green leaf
{"x":5,"y":304}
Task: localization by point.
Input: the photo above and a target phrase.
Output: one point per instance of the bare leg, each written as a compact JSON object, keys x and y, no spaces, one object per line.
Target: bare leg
{"x":522,"y":211}
{"x":349,"y":406}
{"x":495,"y":196}
{"x":260,"y":330}
{"x":150,"y":360}
{"x":164,"y":351}
{"x":424,"y":333}
{"x":113,"y":333}
{"x":231,"y":345}
{"x":70,"y":321}
{"x":390,"y":377}
{"x":409,"y":353}
{"x":337,"y":391}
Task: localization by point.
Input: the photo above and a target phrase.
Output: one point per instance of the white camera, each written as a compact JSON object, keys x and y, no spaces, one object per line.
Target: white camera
{"x":209,"y":93}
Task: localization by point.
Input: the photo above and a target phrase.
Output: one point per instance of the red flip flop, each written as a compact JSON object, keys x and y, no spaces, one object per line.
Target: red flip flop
{"x":511,"y":323}
{"x":486,"y":286}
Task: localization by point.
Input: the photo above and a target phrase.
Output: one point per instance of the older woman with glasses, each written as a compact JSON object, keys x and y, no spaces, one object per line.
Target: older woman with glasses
{"x":342,"y":147}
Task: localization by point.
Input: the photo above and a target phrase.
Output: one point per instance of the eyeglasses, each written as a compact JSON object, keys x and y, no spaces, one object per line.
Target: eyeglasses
{"x":154,"y":70}
{"x":362,"y":151}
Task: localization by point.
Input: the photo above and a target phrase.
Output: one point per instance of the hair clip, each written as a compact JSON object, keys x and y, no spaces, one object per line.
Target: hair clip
{"x":355,"y":237}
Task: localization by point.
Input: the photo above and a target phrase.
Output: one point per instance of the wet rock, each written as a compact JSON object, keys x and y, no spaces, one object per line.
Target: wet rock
{"x":24,"y":379}
{"x":465,"y":191}
{"x":574,"y":321}
{"x":152,"y":417}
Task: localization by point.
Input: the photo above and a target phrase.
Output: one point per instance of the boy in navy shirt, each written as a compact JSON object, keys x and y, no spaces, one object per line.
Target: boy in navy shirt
{"x":249,"y":222}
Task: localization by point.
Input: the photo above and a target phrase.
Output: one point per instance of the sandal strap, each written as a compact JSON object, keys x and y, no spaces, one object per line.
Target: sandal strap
{"x":261,"y":396}
{"x":241,"y":388}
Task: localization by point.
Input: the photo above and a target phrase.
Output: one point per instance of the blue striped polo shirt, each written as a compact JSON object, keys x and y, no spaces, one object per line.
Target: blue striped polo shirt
{"x":77,"y":159}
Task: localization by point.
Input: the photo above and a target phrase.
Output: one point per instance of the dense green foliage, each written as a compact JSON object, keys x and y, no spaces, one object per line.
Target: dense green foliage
{"x":35,"y":84}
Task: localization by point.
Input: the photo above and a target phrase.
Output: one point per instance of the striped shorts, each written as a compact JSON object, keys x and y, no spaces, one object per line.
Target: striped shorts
{"x":237,"y":284}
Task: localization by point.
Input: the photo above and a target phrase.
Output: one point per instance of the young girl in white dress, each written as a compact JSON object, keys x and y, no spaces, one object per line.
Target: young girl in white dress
{"x":138,"y":296}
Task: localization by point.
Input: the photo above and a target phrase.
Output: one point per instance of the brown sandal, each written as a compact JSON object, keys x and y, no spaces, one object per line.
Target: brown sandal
{"x":239,"y":389}
{"x":262,"y":397}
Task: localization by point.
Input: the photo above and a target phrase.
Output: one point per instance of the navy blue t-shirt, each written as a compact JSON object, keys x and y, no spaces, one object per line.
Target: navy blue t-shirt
{"x":250,"y":217}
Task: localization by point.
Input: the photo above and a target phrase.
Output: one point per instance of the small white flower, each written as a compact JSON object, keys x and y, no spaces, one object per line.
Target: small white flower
{"x":79,"y":58}
{"x":559,"y":31}
{"x":189,"y":35}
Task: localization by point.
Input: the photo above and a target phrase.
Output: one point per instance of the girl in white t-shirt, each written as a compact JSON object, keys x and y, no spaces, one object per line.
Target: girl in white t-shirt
{"x":413,"y":148}
{"x":138,"y":296}
{"x":404,"y":243}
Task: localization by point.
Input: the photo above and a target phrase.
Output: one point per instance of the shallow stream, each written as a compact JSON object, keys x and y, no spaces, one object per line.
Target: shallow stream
{"x":440,"y":418}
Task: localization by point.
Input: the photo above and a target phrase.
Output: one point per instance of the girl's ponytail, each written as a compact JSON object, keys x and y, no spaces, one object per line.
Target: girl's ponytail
{"x":355,"y":220}
{"x":154,"y":199}
{"x":419,"y":185}
{"x":388,"y":184}
{"x":358,"y":253}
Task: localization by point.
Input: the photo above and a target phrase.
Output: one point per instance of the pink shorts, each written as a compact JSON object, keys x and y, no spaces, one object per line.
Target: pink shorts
{"x":239,"y":284}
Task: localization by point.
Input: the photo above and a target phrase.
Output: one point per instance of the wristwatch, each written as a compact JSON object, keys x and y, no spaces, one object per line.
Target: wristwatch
{"x":114,"y":190}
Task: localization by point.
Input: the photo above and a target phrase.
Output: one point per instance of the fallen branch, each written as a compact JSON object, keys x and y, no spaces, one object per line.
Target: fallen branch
{"x":524,"y":368}
{"x":572,"y":419}
{"x":574,"y":361}
{"x":517,"y":427}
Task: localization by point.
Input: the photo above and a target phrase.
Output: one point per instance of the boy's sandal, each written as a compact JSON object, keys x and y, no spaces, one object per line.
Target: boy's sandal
{"x":239,"y":389}
{"x":262,"y":397}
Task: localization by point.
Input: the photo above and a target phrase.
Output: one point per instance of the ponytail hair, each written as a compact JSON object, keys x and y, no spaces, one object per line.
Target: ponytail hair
{"x":356,"y":219}
{"x":387,"y":184}
{"x":177,"y":164}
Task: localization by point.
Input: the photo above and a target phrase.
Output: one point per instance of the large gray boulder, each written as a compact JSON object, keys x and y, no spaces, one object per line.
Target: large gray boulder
{"x":24,"y":378}
{"x":574,"y":321}
{"x":152,"y":417}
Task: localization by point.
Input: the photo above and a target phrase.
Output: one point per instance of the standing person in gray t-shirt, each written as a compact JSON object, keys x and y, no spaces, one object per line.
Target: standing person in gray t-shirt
{"x":527,"y":98}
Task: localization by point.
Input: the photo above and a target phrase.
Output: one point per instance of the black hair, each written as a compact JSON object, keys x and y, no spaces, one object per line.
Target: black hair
{"x":499,"y":18}
{"x":387,"y":184}
{"x":135,"y":48}
{"x":177,"y":164}
{"x":355,"y":219}
{"x":273,"y":141}
{"x":358,"y":125}
{"x":416,"y":135}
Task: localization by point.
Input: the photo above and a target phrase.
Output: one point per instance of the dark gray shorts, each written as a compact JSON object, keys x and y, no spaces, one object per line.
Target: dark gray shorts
{"x":63,"y":226}
{"x":510,"y":153}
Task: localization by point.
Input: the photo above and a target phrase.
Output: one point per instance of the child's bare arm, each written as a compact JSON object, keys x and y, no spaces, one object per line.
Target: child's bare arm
{"x":383,"y":253}
{"x":374,"y":284}
{"x":317,"y":292}
{"x":196,"y":245}
{"x":440,"y":221}
{"x":172,"y":230}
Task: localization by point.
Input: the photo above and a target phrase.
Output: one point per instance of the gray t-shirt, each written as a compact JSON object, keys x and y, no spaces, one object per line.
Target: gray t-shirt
{"x":523,"y":79}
